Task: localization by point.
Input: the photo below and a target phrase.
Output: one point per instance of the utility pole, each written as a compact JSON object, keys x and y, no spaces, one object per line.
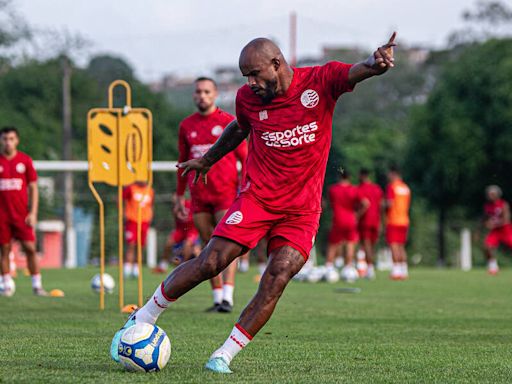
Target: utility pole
{"x":293,"y":38}
{"x":67,"y":136}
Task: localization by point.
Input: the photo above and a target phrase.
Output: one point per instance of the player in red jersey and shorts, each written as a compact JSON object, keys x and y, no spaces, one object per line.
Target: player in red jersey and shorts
{"x":184,"y":235}
{"x":345,"y":203}
{"x":18,"y":209}
{"x":369,"y":221}
{"x":210,"y":200}
{"x":497,"y":221}
{"x":287,"y":114}
{"x":135,"y":195}
{"x":398,"y":201}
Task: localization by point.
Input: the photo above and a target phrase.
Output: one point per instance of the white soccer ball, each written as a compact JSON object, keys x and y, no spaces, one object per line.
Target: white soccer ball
{"x":349,"y":274}
{"x":304,"y":272}
{"x":331,"y":275}
{"x":144,"y":347}
{"x":11,"y":286}
{"x":315,"y":274}
{"x":108,"y":283}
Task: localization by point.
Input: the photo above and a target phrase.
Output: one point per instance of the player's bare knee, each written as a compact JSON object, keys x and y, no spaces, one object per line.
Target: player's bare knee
{"x":208,"y":263}
{"x":280,"y":273}
{"x":29,"y":249}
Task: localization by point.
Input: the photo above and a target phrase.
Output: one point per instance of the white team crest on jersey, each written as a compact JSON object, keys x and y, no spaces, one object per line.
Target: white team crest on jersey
{"x":20,"y":168}
{"x":263,"y":115}
{"x":217,"y":130}
{"x":1,"y":169}
{"x":309,"y":98}
{"x":193,"y":134}
{"x":235,"y":218}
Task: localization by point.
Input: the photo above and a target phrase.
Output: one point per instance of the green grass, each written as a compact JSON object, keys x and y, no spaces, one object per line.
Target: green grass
{"x":440,"y":326}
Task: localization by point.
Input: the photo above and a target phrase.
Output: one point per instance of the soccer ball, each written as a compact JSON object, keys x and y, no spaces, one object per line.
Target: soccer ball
{"x":331,"y":275}
{"x":12,"y":287}
{"x":316,"y":274}
{"x":349,"y":274}
{"x":108,"y":283}
{"x":144,"y":347}
{"x":304,"y":272}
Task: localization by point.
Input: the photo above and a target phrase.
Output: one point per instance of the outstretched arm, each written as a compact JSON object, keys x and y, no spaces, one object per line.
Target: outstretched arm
{"x":378,"y":63}
{"x":231,"y":138}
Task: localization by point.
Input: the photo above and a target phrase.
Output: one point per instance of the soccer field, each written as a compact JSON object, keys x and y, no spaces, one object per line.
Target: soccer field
{"x":440,"y":326}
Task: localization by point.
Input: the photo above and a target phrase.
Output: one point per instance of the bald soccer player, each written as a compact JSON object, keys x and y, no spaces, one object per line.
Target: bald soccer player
{"x":287,"y":112}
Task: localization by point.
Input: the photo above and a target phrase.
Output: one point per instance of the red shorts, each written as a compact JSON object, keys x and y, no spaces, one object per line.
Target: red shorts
{"x":396,"y":234}
{"x":130,"y":232}
{"x":18,"y":230}
{"x":179,"y":234}
{"x":246,"y":222}
{"x":211,"y":204}
{"x":499,"y":236}
{"x":339,"y":234}
{"x":369,"y":233}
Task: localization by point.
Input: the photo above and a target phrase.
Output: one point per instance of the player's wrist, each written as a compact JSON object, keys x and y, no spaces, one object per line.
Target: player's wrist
{"x":372,"y":66}
{"x":207,"y":161}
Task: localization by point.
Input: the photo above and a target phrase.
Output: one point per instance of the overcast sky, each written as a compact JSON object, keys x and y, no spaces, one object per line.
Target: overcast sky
{"x":190,"y":37}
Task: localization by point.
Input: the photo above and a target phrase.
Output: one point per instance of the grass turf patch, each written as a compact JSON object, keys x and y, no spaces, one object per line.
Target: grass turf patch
{"x":440,"y":326}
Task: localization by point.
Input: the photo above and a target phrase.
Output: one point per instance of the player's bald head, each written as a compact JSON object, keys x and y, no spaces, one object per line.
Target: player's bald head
{"x":267,"y":72}
{"x":260,"y":51}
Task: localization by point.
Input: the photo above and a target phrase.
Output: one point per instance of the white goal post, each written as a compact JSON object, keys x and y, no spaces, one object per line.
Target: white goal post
{"x":70,"y":258}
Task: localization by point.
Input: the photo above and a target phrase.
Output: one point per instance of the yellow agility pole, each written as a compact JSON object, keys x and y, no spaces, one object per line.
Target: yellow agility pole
{"x":120,"y":223}
{"x":119,"y":154}
{"x":102,"y":229}
{"x":139,"y":254}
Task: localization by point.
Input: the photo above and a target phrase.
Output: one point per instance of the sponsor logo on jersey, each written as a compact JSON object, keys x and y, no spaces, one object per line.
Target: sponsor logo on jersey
{"x":263,"y":115}
{"x":235,"y":218}
{"x":301,"y":134}
{"x":309,"y":98}
{"x":401,"y":190}
{"x":198,"y":150}
{"x":11,"y":184}
{"x":20,"y":168}
{"x":217,"y":130}
{"x":142,"y":198}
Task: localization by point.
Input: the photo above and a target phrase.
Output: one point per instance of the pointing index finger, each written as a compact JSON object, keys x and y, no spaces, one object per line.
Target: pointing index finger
{"x":392,"y":38}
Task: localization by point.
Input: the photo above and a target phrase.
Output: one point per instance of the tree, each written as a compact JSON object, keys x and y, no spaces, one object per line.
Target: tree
{"x":488,"y":19}
{"x":461,"y":138}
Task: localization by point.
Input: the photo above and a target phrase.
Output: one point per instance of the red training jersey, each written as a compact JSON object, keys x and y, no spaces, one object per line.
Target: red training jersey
{"x":373,"y":193}
{"x":15,"y":175}
{"x":135,"y":195}
{"x":399,"y":195}
{"x":197,"y":134}
{"x":290,"y":138}
{"x":494,"y":211}
{"x":344,"y":199}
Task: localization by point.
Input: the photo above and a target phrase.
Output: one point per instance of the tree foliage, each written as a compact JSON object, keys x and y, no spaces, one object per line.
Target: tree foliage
{"x":461,"y":138}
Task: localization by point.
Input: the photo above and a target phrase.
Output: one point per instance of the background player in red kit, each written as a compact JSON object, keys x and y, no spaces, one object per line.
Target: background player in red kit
{"x":136,"y":194}
{"x":497,"y":221}
{"x":18,"y":208}
{"x":288,"y":114}
{"x":210,"y":200}
{"x":345,"y":202}
{"x":398,"y":201}
{"x":369,"y":221}
{"x":184,"y":234}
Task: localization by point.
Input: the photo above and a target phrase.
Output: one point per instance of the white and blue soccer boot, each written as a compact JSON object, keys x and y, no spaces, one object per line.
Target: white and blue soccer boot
{"x":114,"y":351}
{"x":218,"y":365}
